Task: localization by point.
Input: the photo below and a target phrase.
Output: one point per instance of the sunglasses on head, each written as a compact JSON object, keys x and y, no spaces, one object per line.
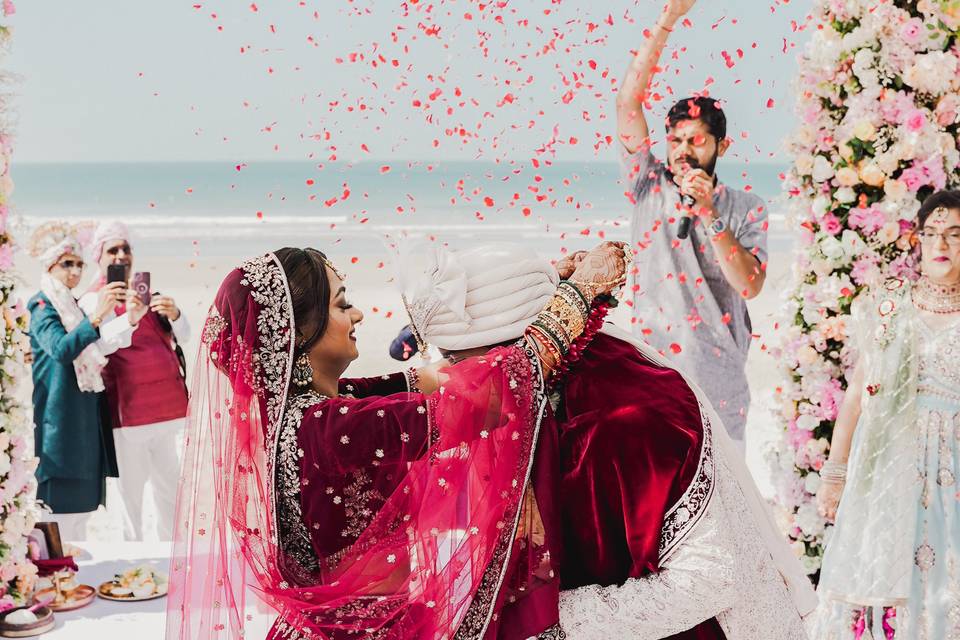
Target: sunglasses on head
{"x":112,"y":251}
{"x":70,"y":264}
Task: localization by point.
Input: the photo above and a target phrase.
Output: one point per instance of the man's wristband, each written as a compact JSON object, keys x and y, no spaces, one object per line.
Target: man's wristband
{"x":716,"y":228}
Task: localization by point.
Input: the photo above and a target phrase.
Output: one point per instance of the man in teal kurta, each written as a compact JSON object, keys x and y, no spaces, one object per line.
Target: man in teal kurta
{"x":75,"y":457}
{"x":70,"y":350}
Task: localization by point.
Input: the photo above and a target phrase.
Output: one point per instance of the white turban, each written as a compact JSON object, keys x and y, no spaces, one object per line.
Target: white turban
{"x":107,"y":232}
{"x":478,"y":297}
{"x":53,"y":240}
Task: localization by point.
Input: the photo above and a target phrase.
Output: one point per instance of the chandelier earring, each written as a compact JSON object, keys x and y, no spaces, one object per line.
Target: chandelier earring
{"x":302,"y":374}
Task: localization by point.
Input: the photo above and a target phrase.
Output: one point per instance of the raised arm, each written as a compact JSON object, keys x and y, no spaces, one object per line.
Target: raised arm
{"x":597,"y":273}
{"x":833,"y":474}
{"x":631,"y":123}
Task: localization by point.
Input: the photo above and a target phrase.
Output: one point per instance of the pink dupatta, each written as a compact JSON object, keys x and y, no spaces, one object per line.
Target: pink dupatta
{"x":455,"y":544}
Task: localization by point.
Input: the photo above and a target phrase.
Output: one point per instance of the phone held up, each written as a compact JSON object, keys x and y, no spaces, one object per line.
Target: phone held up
{"x":141,"y":280}
{"x":116,"y":273}
{"x":141,"y":286}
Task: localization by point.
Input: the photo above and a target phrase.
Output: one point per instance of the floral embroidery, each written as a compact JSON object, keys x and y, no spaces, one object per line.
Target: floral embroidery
{"x":358,"y":504}
{"x":213,"y":327}
{"x":681,"y":518}
{"x":925,"y":557}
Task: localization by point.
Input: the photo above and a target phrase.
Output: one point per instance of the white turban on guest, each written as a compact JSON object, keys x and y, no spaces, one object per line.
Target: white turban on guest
{"x":476,"y":297}
{"x":53,"y":240}
{"x":49,"y":243}
{"x":107,"y":232}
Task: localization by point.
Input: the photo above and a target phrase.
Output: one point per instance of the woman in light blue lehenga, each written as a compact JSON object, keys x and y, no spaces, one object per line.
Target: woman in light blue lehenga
{"x":892,"y":563}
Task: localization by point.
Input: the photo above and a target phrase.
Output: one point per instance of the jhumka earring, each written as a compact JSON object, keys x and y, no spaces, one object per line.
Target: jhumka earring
{"x":302,"y":374}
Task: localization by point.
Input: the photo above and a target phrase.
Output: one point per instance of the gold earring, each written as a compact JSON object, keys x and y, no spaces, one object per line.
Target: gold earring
{"x":302,"y":374}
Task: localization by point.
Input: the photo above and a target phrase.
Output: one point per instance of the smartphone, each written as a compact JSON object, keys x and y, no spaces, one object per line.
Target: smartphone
{"x":116,"y":273}
{"x":141,"y":286}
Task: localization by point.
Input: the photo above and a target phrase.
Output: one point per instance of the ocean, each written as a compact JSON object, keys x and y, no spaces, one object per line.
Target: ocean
{"x":221,"y":208}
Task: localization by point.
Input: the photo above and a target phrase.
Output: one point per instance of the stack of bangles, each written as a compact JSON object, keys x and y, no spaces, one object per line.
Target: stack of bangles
{"x":835,"y":472}
{"x":563,"y":319}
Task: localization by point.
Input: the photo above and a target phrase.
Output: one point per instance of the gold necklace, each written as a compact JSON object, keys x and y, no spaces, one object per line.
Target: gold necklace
{"x":936,"y":298}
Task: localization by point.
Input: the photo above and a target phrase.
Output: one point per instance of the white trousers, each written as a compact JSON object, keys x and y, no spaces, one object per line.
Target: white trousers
{"x":72,"y":526}
{"x":148,"y":452}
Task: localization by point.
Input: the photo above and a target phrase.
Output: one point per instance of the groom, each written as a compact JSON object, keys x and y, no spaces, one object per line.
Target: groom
{"x":664,"y":533}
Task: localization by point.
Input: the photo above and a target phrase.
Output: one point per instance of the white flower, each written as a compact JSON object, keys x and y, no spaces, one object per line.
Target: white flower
{"x":811,"y":482}
{"x":852,"y":243}
{"x":889,"y":232}
{"x":831,"y":248}
{"x":864,"y":68}
{"x":822,"y":169}
{"x":811,"y":564}
{"x":807,"y":422}
{"x":895,"y":189}
{"x":871,"y":174}
{"x":847,"y":177}
{"x":864,"y":130}
{"x":845,"y":194}
{"x":806,"y":356}
{"x":820,"y":205}
{"x":932,"y":72}
{"x":804,"y":164}
{"x":811,"y":523}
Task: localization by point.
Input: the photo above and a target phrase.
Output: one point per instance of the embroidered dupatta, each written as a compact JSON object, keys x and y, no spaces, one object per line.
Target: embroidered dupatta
{"x":429,"y":562}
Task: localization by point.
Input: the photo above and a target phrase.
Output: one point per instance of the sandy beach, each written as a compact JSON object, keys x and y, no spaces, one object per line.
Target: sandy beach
{"x":193,"y":280}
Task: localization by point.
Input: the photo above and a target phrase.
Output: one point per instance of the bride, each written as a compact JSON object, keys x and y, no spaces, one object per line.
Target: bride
{"x":404,"y":516}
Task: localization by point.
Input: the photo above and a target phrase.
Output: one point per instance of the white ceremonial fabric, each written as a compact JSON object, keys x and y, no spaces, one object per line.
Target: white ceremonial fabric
{"x":734,"y":565}
{"x":478,"y":297}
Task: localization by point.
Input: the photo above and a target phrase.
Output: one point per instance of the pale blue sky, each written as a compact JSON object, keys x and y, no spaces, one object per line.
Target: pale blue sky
{"x":82,"y":98}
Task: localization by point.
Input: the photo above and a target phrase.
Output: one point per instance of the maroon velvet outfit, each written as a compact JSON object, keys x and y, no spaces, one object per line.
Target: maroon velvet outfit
{"x":631,"y":435}
{"x":338,"y":439}
{"x":623,"y":448}
{"x":143,"y":381}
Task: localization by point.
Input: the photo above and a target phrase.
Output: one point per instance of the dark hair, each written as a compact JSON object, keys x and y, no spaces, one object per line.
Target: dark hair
{"x":706,"y":110}
{"x":949,"y":199}
{"x":306,"y":272}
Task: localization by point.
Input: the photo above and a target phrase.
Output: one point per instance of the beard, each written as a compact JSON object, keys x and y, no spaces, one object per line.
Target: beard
{"x":693,"y":163}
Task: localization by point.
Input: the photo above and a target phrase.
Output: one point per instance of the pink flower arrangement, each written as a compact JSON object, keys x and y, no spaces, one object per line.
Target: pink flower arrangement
{"x":923,"y":173}
{"x":912,"y":31}
{"x":18,"y":508}
{"x":869,"y":219}
{"x":831,"y":224}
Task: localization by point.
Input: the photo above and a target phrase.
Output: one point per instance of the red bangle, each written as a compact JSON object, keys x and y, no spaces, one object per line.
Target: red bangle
{"x":665,"y":28}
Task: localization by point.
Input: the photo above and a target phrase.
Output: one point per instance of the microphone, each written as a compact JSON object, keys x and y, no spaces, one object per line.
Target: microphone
{"x":683,"y":230}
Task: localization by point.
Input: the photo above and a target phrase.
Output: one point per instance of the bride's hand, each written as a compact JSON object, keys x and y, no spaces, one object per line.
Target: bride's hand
{"x":602,"y":270}
{"x":568,"y":264}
